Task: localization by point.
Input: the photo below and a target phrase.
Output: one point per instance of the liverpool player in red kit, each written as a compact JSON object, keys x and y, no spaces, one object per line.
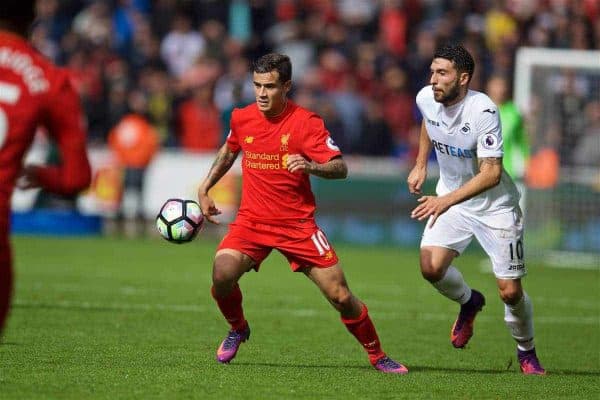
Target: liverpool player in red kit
{"x":33,"y":92}
{"x":282,"y":144}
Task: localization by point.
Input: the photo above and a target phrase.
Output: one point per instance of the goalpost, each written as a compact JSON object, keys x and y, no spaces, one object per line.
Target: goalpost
{"x":558,"y":92}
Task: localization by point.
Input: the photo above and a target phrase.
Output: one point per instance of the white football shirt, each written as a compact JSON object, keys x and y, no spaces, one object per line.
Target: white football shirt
{"x":460,"y":134}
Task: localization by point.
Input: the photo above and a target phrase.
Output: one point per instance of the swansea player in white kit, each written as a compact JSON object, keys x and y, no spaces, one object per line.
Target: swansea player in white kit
{"x":475,"y":198}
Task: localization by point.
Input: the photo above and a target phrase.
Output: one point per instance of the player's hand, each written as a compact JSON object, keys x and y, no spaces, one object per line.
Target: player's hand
{"x":209,"y":210}
{"x":433,"y":206}
{"x":416,"y":178}
{"x":297,"y":163}
{"x":28,"y":178}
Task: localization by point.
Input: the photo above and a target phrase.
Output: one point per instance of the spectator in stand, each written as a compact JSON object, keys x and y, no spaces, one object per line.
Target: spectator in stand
{"x":376,"y":138}
{"x":571,"y":91}
{"x":351,"y":109}
{"x":587,"y":151}
{"x":200,"y":121}
{"x":93,"y":23}
{"x":41,"y":41}
{"x":500,"y":26}
{"x":237,"y":76}
{"x":182,"y":46}
{"x":420,"y":59}
{"x":393,"y":24}
{"x":398,"y":106}
{"x":48,"y":15}
{"x":155,"y":86}
{"x":214,"y":34}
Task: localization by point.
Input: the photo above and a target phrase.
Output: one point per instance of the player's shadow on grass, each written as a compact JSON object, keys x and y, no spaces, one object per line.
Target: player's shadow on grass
{"x":292,"y":365}
{"x":366,"y":367}
{"x":417,"y":368}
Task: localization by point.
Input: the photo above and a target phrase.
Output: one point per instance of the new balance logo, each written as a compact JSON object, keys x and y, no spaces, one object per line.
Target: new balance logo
{"x":490,"y":111}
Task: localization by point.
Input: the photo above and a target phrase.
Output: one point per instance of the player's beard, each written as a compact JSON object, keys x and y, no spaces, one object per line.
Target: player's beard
{"x":448,"y":97}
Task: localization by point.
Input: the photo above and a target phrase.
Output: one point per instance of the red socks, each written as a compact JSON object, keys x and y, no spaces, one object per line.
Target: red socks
{"x":364,"y":331}
{"x":231,"y":308}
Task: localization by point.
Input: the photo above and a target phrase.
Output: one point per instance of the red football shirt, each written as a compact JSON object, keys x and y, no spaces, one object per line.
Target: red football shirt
{"x":270,"y":193}
{"x":34,"y":92}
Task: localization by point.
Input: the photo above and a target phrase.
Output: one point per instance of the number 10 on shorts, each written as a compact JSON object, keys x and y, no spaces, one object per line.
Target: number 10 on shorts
{"x":320,"y":242}
{"x":516,"y":249}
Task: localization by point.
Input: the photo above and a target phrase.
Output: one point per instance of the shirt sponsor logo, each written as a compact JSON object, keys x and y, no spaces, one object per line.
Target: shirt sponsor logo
{"x":264,"y":161}
{"x":453,"y":151}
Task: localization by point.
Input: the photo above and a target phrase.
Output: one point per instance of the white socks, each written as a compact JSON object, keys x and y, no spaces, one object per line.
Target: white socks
{"x":453,"y":286}
{"x":519,"y":320}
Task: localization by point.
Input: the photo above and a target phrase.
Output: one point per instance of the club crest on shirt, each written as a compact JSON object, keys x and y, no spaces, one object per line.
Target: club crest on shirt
{"x":489,"y":141}
{"x":249,"y":139}
{"x":285,"y":139}
{"x":331,"y":144}
{"x":466,"y":129}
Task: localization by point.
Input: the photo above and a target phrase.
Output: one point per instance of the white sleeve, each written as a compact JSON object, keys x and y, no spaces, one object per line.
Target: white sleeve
{"x":422,"y":99}
{"x":489,"y":133}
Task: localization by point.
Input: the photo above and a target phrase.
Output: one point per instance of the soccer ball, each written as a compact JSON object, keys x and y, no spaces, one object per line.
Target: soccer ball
{"x":179,"y":221}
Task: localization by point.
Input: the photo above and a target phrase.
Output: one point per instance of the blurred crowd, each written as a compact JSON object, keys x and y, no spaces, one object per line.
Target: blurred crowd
{"x":184,"y":65}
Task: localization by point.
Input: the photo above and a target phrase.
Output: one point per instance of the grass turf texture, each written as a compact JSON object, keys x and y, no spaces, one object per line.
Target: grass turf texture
{"x":109,"y":318}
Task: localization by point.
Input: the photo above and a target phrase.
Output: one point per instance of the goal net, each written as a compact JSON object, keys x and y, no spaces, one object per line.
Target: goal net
{"x":558,"y":92}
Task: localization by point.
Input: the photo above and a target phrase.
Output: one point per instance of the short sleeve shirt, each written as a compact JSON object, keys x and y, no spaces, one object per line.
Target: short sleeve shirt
{"x":461,"y":134}
{"x":270,"y":193}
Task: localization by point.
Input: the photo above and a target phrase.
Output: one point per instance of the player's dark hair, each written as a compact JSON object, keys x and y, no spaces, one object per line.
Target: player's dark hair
{"x":462,"y":59}
{"x":17,"y":15}
{"x":274,"y":62}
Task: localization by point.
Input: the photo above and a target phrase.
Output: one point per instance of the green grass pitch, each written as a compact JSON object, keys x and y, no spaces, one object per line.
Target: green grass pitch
{"x":119,"y":319}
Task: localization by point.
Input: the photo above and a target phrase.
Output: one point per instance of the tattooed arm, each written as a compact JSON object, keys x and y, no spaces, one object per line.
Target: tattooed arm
{"x":223,"y":162}
{"x":490,"y":172}
{"x":333,"y":169}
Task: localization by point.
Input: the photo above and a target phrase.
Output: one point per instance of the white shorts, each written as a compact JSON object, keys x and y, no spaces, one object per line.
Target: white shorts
{"x":500,"y":235}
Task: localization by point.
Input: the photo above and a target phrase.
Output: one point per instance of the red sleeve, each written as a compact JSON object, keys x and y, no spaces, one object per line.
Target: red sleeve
{"x":232,"y":138}
{"x":64,"y":121}
{"x":318,"y":145}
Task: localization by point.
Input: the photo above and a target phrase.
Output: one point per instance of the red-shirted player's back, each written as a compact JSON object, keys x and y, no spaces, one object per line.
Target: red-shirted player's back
{"x":270,"y":193}
{"x":30,"y":86}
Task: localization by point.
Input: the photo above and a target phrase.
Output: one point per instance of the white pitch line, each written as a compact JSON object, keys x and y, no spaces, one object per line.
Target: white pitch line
{"x":297,"y":312}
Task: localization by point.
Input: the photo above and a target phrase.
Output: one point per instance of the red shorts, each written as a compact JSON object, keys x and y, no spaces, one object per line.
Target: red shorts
{"x":303,"y":246}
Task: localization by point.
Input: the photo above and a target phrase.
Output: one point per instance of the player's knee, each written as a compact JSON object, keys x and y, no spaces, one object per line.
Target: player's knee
{"x":511,"y":294}
{"x":341,"y":298}
{"x":431,"y":273}
{"x":224,"y":273}
{"x":431,"y":269}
